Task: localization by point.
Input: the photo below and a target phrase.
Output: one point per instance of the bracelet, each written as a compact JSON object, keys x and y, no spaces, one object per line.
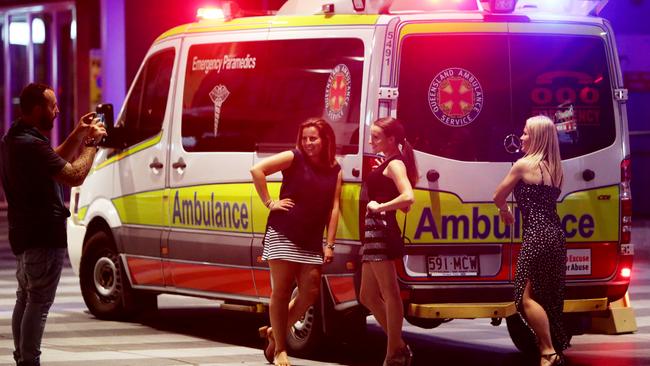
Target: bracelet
{"x":507,"y":209}
{"x":329,"y":246}
{"x":268,"y":203}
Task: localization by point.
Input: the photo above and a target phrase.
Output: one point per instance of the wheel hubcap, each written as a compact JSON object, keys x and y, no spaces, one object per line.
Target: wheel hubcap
{"x":303,"y":327}
{"x":104,"y":276}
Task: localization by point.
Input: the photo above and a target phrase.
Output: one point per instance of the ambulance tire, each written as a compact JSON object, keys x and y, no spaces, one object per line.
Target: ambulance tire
{"x":424,"y":323}
{"x":104,"y":286}
{"x":306,"y":334}
{"x":523,"y":338}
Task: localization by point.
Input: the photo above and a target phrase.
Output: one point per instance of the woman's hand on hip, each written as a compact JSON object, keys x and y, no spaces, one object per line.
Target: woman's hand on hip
{"x":373,"y":206}
{"x":281,"y":205}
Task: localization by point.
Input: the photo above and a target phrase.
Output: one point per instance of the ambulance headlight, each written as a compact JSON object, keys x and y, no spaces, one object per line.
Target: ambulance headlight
{"x":502,"y":6}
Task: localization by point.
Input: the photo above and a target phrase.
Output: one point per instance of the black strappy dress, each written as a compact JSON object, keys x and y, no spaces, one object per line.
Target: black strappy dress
{"x":542,"y":259}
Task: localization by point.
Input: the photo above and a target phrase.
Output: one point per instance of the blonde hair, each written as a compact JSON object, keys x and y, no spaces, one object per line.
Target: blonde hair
{"x":543,"y":146}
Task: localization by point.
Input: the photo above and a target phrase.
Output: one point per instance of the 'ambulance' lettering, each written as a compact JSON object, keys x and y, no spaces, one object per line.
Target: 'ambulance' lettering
{"x":479,"y":226}
{"x":209,"y":213}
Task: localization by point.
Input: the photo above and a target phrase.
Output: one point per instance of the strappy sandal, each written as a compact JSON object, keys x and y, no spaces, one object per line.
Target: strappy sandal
{"x":266,"y":333}
{"x":555,"y":359}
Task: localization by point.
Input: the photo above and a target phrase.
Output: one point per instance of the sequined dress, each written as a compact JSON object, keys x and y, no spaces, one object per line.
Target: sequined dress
{"x":542,"y":258}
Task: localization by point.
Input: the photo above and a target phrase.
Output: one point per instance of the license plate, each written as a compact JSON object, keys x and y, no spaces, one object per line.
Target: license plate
{"x":453,"y":265}
{"x":578,"y":262}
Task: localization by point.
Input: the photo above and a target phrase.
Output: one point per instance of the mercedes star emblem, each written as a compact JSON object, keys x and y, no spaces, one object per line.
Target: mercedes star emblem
{"x":512,"y":144}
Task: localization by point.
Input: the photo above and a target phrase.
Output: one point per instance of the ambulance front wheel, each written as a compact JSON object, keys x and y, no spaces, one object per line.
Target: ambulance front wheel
{"x":104,"y":286}
{"x":305,"y":335}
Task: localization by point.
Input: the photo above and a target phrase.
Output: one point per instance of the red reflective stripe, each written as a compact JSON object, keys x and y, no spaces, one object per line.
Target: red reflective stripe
{"x":145,"y":271}
{"x":211,"y":278}
{"x":342,"y":289}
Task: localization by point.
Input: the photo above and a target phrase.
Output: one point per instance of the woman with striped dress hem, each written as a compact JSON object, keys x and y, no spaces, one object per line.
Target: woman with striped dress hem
{"x":293,"y":242}
{"x":390,"y":187}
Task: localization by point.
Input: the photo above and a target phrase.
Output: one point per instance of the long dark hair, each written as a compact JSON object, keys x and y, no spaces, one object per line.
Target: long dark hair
{"x":392,"y":127}
{"x":326,"y":134}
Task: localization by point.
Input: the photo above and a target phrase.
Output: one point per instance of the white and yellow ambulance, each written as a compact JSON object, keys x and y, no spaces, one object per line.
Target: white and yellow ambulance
{"x":170,"y":206}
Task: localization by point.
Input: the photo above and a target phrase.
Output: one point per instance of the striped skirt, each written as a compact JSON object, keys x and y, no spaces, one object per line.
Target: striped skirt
{"x":382,"y":239}
{"x":278,"y":246}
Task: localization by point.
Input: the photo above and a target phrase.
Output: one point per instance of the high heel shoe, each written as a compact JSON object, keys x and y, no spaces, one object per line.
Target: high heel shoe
{"x":266,"y":333}
{"x":555,"y":359}
{"x":403,"y":357}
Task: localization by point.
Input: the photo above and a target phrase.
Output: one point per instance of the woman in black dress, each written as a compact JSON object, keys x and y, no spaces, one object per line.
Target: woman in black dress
{"x":389,"y":188}
{"x":536,"y":180}
{"x":293,"y":242}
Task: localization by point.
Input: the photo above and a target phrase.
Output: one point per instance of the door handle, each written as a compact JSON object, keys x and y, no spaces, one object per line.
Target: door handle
{"x":180,"y":164}
{"x":433,"y":175}
{"x":155,"y":164}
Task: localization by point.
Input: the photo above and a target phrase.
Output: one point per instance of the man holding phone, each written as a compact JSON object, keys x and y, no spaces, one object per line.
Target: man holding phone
{"x":32,"y":173}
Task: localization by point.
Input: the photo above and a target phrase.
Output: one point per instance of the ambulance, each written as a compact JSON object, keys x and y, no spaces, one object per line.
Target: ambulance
{"x":170,"y":208}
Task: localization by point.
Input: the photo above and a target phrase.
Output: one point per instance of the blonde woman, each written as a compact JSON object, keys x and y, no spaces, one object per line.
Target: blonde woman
{"x":536,"y":180}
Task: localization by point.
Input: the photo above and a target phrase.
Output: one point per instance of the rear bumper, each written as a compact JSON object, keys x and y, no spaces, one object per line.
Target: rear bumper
{"x":493,"y":310}
{"x":503,"y":293}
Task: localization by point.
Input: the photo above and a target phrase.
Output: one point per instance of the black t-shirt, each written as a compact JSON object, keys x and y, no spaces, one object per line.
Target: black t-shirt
{"x":312,"y":190}
{"x":36,"y":211}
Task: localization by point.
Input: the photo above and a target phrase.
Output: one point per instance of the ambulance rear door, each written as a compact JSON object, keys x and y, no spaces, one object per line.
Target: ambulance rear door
{"x":454,"y":100}
{"x":566,"y":71}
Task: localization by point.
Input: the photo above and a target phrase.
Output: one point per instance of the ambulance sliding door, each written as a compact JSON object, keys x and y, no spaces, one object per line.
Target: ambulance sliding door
{"x":325,"y":82}
{"x":454,"y":99}
{"x":211,"y":155}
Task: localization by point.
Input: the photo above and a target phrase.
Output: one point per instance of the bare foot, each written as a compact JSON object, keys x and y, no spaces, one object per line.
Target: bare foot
{"x":281,"y":359}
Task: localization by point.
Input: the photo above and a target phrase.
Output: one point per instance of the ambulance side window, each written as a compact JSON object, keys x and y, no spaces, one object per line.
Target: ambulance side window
{"x":324,"y":82}
{"x":252,"y":96}
{"x":221,"y":99}
{"x":146,"y":106}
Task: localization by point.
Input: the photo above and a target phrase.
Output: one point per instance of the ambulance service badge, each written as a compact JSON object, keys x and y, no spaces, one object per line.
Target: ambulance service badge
{"x":455,"y":97}
{"x":337,"y":92}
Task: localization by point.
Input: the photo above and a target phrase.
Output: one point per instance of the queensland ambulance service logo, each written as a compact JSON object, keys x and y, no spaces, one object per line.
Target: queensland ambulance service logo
{"x":337,"y":92}
{"x":455,"y":97}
